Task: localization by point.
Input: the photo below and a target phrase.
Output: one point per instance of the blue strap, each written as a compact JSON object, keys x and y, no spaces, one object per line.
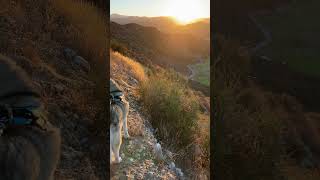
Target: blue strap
{"x":19,"y":121}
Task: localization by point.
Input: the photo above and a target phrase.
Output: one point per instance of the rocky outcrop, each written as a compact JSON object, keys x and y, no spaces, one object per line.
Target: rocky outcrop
{"x":76,"y":60}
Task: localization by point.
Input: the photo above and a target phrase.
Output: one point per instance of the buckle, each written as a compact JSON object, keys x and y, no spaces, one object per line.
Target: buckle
{"x":6,"y":116}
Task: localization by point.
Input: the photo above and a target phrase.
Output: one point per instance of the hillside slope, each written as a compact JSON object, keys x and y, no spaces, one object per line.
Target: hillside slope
{"x":36,"y":35}
{"x":139,"y":161}
{"x":149,"y":45}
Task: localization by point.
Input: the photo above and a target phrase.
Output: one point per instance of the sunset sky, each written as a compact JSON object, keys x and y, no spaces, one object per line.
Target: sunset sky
{"x":182,"y":10}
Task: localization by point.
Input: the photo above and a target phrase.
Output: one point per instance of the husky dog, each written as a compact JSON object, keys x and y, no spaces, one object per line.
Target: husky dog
{"x":119,"y":109}
{"x":27,"y":150}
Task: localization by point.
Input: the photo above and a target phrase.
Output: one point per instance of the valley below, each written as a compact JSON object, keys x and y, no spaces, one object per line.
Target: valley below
{"x":200,"y":71}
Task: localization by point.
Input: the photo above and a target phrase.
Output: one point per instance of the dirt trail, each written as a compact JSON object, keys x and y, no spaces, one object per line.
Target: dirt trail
{"x":267,"y":35}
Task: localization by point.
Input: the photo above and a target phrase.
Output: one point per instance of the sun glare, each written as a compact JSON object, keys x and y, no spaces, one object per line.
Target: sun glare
{"x":185,"y":11}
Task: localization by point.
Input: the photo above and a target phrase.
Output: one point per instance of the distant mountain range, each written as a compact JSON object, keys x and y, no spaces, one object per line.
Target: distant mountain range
{"x":199,"y":28}
{"x":149,"y":44}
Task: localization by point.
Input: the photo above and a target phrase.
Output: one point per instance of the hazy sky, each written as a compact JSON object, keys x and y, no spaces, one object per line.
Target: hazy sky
{"x":160,"y":7}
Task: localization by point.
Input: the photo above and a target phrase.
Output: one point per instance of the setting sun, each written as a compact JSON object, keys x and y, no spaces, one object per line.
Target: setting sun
{"x":185,"y":11}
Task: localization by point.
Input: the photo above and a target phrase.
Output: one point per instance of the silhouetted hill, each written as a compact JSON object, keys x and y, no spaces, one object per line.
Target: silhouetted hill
{"x":148,"y":44}
{"x":199,"y":28}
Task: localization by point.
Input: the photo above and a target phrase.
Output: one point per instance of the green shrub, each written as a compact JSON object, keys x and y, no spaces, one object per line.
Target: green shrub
{"x":173,"y":108}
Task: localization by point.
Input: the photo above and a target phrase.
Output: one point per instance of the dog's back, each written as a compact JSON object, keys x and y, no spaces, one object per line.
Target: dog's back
{"x":25,"y":152}
{"x":115,"y":114}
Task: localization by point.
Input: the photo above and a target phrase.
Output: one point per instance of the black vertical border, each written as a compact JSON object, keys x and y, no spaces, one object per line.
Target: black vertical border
{"x":106,"y":4}
{"x":213,"y":124}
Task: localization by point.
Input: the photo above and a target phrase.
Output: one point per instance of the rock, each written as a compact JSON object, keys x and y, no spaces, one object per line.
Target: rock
{"x":150,"y":176}
{"x":84,"y":141}
{"x":80,"y":61}
{"x":138,"y":176}
{"x":134,"y":80}
{"x":69,"y":54}
{"x":75,"y":116}
{"x":169,"y":154}
{"x":158,"y":152}
{"x":172,"y":166}
{"x":59,"y":87}
{"x":197,"y":150}
{"x":61,"y":115}
{"x":308,"y":159}
{"x":265,"y":58}
{"x":179,"y":172}
{"x":123,"y":177}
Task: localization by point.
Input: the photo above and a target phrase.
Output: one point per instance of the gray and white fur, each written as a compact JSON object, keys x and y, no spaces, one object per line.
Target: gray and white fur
{"x":118,"y":117}
{"x":26,"y":153}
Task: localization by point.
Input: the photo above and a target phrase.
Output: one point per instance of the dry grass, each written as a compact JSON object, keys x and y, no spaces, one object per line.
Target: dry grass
{"x":293,"y":172}
{"x":171,"y":107}
{"x":256,"y":131}
{"x":91,"y":25}
{"x":32,"y":53}
{"x":132,"y":67}
{"x":88,"y":31}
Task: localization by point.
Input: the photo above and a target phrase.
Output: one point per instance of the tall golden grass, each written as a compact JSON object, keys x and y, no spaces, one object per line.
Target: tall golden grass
{"x":132,"y":67}
{"x":173,"y":108}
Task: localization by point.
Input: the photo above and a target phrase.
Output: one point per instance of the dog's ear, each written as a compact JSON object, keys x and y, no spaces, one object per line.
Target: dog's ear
{"x":13,"y":78}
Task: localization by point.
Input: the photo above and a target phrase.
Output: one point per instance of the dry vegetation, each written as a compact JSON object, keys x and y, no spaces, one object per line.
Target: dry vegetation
{"x":258,"y":133}
{"x":134,"y":69}
{"x":88,"y":31}
{"x":91,"y":28}
{"x":172,"y":108}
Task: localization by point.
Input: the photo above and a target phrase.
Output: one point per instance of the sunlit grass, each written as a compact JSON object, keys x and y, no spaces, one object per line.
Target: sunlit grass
{"x":134,"y":68}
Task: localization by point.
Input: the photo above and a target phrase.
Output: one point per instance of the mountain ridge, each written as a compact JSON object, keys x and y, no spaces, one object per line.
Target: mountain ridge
{"x":198,"y":27}
{"x":150,"y":45}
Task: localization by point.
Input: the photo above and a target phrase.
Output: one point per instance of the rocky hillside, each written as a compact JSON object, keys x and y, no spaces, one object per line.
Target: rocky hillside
{"x":42,"y":39}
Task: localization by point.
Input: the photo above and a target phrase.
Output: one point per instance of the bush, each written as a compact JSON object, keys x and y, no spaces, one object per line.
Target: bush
{"x":118,"y":47}
{"x":172,"y":107}
{"x":253,"y":128}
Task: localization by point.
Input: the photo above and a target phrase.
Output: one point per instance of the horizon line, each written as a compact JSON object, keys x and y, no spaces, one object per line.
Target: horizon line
{"x":151,"y":16}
